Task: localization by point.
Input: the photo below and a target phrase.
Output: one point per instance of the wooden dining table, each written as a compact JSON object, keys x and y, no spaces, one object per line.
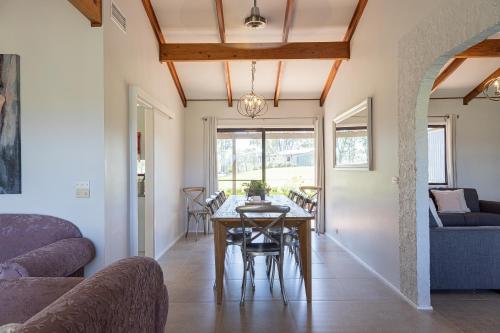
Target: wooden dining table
{"x":227,"y":217}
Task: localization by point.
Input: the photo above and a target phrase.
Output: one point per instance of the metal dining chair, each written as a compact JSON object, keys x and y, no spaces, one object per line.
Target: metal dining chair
{"x":196,"y":208}
{"x":261,"y":242}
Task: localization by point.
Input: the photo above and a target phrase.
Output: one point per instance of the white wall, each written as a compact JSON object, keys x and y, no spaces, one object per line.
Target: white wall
{"x":62,"y":105}
{"x":478,"y":141}
{"x":131,"y":58}
{"x":363,"y":206}
{"x":289,"y":113}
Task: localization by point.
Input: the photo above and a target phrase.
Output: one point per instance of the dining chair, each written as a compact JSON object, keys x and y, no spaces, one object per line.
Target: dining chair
{"x":196,"y":208}
{"x":301,"y":199}
{"x":313,"y":194}
{"x":261,"y":242}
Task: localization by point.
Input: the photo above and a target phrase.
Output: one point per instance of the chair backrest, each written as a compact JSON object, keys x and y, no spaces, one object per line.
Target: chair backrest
{"x":312,"y":206}
{"x":212,"y":205}
{"x":301,"y":199}
{"x":312,"y":192}
{"x":274,"y":216}
{"x":194,"y":197}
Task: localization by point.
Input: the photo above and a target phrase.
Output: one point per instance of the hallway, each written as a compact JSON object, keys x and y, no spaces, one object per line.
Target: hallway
{"x":346,"y":296}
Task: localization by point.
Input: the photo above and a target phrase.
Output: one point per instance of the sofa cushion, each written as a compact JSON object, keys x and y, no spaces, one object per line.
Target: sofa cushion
{"x":470,"y":194}
{"x":453,"y":219}
{"x":482,"y":219}
{"x":451,"y":201}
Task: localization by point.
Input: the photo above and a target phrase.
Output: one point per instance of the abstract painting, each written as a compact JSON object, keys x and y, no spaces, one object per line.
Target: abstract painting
{"x":10,"y":129}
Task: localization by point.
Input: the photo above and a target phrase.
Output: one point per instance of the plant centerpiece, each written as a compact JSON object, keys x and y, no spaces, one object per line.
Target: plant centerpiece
{"x":256,"y":188}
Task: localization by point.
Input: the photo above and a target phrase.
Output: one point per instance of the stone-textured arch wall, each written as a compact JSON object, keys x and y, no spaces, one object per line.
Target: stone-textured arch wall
{"x":422,"y":53}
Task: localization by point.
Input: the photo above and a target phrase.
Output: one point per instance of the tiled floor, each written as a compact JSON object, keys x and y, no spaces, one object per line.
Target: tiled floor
{"x":346,"y":297}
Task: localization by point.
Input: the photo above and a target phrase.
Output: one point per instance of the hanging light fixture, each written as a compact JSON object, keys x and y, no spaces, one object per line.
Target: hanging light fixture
{"x":255,"y":21}
{"x":492,"y":89}
{"x":252,"y":105}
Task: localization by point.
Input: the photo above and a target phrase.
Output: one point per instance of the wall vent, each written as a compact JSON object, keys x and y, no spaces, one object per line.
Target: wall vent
{"x":118,"y":17}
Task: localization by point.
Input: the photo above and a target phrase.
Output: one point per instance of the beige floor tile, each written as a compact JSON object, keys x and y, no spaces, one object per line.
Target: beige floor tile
{"x":346,"y":297}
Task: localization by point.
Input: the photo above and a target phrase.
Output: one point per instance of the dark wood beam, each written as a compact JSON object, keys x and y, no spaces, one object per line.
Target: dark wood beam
{"x":452,"y":67}
{"x":479,"y":89}
{"x":255,"y":51}
{"x":489,"y":48}
{"x":351,"y":29}
{"x":290,"y":8}
{"x":91,"y":9}
{"x":222,"y":34}
{"x":161,"y":40}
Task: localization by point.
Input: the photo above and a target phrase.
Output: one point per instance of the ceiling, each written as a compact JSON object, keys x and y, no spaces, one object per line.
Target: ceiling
{"x":468,"y":76}
{"x":195,"y":21}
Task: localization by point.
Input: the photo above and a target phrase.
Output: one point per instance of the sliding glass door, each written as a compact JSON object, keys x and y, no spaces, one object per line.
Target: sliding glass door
{"x":284,"y":158}
{"x":239,"y":159}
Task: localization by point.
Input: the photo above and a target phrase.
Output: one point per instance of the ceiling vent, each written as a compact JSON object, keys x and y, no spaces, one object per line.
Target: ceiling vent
{"x":118,"y":17}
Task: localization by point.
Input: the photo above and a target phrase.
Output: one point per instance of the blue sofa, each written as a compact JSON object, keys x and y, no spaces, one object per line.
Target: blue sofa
{"x":465,"y":252}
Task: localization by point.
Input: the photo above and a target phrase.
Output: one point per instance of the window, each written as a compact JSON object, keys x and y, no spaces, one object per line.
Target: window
{"x":437,"y":155}
{"x":284,"y":158}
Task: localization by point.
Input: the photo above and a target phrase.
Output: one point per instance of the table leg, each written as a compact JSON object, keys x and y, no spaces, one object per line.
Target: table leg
{"x":220,"y":256}
{"x":305,"y":256}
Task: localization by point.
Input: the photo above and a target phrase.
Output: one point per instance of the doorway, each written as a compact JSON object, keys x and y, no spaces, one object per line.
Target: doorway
{"x":142,"y":110}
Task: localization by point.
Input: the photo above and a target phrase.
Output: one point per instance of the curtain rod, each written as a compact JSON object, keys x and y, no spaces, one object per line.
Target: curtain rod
{"x":447,"y":116}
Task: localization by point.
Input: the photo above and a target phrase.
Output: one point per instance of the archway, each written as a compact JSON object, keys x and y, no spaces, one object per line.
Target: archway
{"x":422,"y":53}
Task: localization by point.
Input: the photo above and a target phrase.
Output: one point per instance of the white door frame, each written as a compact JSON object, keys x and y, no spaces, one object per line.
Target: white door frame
{"x":136,"y":96}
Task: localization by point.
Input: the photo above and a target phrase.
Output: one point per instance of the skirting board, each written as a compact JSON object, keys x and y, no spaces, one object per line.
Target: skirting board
{"x":380,"y":277}
{"x":172,"y":243}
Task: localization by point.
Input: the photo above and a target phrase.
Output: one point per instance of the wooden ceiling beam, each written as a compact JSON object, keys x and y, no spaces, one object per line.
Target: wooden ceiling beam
{"x":91,"y":9}
{"x":253,"y":51}
{"x":489,"y":48}
{"x":290,"y":9}
{"x":222,"y":34}
{"x":161,"y":40}
{"x":351,"y":29}
{"x":452,"y":67}
{"x":476,"y":91}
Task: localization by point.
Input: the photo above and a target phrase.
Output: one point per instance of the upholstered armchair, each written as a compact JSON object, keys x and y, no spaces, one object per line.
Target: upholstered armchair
{"x":41,"y":246}
{"x":128,"y":296}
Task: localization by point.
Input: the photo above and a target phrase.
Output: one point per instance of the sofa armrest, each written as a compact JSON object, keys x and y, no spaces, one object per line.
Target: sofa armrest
{"x":59,"y":259}
{"x":127,"y":296}
{"x":22,"y":298}
{"x":489,"y":207}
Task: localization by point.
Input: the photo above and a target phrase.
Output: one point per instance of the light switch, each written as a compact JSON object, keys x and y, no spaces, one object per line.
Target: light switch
{"x":82,"y":189}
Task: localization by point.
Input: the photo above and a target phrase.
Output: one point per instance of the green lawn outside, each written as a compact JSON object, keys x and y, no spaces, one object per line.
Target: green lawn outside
{"x":281,"y":180}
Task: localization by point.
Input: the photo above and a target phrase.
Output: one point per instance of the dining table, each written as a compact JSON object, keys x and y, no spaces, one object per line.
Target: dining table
{"x":227,"y":217}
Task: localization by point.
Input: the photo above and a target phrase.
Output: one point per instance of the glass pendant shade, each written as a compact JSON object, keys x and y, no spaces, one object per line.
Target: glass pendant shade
{"x":252,"y":105}
{"x":492,"y":89}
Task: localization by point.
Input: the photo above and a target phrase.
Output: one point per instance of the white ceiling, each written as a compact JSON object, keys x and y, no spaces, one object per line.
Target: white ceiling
{"x":195,"y":21}
{"x":468,"y":76}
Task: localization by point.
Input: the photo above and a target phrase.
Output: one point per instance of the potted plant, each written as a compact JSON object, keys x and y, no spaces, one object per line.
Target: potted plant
{"x":256,"y":188}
